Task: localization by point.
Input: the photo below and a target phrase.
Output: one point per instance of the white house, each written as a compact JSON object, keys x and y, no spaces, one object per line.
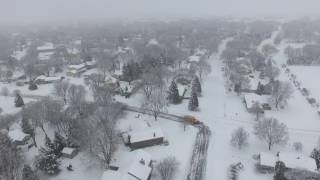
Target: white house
{"x":76,"y":70}
{"x":251,"y":99}
{"x":45,"y":80}
{"x":140,"y":168}
{"x":18,"y":137}
{"x":267,"y":161}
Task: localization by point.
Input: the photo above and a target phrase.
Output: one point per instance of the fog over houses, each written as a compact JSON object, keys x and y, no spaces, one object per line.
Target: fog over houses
{"x":150,"y":90}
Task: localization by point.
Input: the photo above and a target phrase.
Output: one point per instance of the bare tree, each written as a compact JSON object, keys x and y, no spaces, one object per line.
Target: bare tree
{"x":167,"y":168}
{"x":204,"y":69}
{"x":105,"y":62}
{"x":105,"y":136}
{"x":77,"y":98}
{"x":152,"y":80}
{"x":10,"y":159}
{"x":95,"y":81}
{"x":271,"y":131}
{"x":271,"y":71}
{"x":240,"y":138}
{"x":156,"y":103}
{"x":41,"y":112}
{"x":61,"y":89}
{"x":281,"y":93}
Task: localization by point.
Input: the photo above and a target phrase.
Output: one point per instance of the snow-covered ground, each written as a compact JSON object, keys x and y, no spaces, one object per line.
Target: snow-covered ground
{"x":180,"y":143}
{"x":7,"y":104}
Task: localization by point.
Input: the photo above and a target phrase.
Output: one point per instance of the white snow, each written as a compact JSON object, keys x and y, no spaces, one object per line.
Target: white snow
{"x":77,"y":67}
{"x":268,"y":159}
{"x":17,"y":135}
{"x":46,"y":46}
{"x":298,"y":161}
{"x":252,"y":98}
{"x":44,"y":56}
{"x":68,"y":150}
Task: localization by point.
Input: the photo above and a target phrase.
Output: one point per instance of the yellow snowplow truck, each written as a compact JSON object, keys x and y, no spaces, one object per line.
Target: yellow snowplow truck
{"x":191,"y":119}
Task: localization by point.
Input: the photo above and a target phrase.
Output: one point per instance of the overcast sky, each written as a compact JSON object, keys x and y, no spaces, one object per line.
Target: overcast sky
{"x":43,"y":10}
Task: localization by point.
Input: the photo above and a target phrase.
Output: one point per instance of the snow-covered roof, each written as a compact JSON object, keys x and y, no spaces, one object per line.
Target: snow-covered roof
{"x":45,"y":55}
{"x":194,"y":58}
{"x":139,"y":171}
{"x":291,"y":160}
{"x":252,"y":98}
{"x":45,"y":78}
{"x":17,"y":135}
{"x":153,"y":42}
{"x":297,"y":161}
{"x":152,"y":133}
{"x":46,"y":46}
{"x":77,"y":67}
{"x":140,"y":167}
{"x":268,"y":159}
{"x":110,"y":79}
{"x":68,"y":150}
{"x":91,"y":63}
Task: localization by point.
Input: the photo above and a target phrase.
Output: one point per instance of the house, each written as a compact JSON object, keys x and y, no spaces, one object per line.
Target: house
{"x":46,"y":80}
{"x":292,"y":161}
{"x":251,"y":101}
{"x":19,"y":137}
{"x":91,"y":64}
{"x":140,"y":169}
{"x":76,"y":70}
{"x":68,"y":152}
{"x":141,"y":139}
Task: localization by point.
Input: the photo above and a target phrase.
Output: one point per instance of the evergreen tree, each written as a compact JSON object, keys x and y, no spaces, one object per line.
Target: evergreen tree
{"x":280,"y":168}
{"x":18,"y":101}
{"x":32,"y":85}
{"x":173,"y":93}
{"x":260,"y":88}
{"x":28,"y":129}
{"x":193,"y":102}
{"x":47,"y":161}
{"x":196,"y":86}
{"x":315,"y":154}
{"x":29,"y":174}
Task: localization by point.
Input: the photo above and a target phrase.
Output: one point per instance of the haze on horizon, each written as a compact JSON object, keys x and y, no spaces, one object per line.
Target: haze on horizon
{"x":16,"y":11}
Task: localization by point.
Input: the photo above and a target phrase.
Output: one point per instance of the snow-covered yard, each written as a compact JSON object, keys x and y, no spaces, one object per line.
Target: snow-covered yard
{"x":180,"y":144}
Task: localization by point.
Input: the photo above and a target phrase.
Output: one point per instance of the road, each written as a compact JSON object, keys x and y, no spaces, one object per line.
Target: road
{"x":199,"y":156}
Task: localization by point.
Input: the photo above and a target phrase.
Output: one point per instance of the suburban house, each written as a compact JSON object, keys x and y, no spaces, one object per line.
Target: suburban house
{"x":91,"y":64}
{"x":140,"y":169}
{"x":76,"y":70}
{"x":141,"y":139}
{"x":137,"y":168}
{"x":19,"y":137}
{"x":68,"y":152}
{"x":292,"y":161}
{"x":256,"y":102}
{"x":46,"y":80}
{"x":45,"y":51}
